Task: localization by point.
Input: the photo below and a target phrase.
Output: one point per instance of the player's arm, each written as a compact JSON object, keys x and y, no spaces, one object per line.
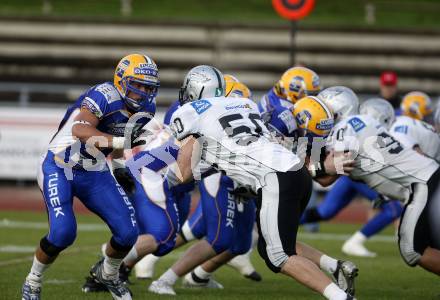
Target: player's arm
{"x":328,"y":170}
{"x":84,"y":128}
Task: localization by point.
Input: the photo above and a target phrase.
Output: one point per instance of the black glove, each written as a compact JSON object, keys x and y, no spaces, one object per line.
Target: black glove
{"x":243,"y":194}
{"x":124,"y":178}
{"x":379,"y":201}
{"x":137,"y":137}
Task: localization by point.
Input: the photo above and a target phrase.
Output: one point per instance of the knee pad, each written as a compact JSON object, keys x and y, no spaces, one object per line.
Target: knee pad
{"x":50,"y":249}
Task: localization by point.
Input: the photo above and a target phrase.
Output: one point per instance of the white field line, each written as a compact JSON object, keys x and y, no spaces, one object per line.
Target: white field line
{"x":6,"y":223}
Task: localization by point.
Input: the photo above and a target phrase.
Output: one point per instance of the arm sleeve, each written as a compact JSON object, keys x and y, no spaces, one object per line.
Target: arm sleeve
{"x":184,"y":122}
{"x":96,"y":103}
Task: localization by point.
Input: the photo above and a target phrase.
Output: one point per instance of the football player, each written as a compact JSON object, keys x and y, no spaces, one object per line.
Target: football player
{"x":416,"y":105}
{"x":228,"y":134}
{"x":398,"y":173}
{"x":294,"y":84}
{"x":227,"y":232}
{"x":345,"y":189}
{"x":75,"y":165}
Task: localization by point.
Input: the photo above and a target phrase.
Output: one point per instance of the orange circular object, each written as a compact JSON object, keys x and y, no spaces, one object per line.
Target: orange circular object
{"x":293,"y":9}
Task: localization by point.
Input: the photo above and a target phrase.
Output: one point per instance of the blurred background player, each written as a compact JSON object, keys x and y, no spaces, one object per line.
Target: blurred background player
{"x":69,"y":169}
{"x":389,"y":89}
{"x":294,"y":84}
{"x":345,"y":190}
{"x":417,"y":105}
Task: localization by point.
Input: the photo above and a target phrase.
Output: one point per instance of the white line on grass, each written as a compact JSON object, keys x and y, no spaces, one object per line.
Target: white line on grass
{"x":5,"y":223}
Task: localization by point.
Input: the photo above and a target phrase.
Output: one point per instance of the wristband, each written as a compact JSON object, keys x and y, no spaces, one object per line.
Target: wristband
{"x":118,"y":142}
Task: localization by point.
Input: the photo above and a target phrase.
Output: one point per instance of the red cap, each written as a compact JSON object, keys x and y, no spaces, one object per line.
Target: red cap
{"x":388,"y":78}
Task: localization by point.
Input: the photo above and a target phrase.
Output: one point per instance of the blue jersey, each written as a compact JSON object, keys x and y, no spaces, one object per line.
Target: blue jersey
{"x":170,"y":112}
{"x":271,"y":100}
{"x":105,"y":102}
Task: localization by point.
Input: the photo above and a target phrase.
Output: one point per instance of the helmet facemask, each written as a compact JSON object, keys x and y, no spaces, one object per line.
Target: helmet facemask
{"x":146,"y":97}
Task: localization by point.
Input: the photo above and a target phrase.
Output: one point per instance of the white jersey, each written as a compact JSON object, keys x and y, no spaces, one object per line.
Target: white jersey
{"x":411,"y":132}
{"x":233,"y":138}
{"x":381,"y":161}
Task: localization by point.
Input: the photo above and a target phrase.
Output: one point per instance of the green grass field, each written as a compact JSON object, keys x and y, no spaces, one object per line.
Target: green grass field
{"x":386,"y":277}
{"x":349,"y":13}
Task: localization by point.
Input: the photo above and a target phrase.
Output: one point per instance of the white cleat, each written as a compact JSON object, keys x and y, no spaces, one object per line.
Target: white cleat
{"x":162,"y":288}
{"x":144,"y":269}
{"x":192,"y":281}
{"x":357,"y":249}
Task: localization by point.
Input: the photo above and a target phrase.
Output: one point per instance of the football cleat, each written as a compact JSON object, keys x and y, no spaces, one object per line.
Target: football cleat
{"x":144,"y":269}
{"x":116,"y":287}
{"x":191,"y":280}
{"x":92,"y":286}
{"x":30,"y":292}
{"x":357,"y":249}
{"x":344,"y":276}
{"x":255,"y":276}
{"x":161,"y":287}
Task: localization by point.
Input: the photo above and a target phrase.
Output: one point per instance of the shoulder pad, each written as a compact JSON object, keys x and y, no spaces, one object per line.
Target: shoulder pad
{"x":109,"y":92}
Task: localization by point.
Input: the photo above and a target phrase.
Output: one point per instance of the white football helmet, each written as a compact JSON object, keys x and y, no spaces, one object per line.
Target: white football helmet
{"x":380,"y":109}
{"x":202,"y":82}
{"x":341,"y":100}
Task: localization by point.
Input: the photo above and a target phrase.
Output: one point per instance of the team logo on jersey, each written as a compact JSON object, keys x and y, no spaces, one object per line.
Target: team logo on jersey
{"x":401,"y":129}
{"x":357,"y":124}
{"x":201,"y":106}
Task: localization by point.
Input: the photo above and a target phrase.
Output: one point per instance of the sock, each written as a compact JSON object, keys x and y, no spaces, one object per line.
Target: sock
{"x":131,"y":258}
{"x":328,"y":263}
{"x":111,"y":267}
{"x":36,"y":273}
{"x":200,"y":273}
{"x":333,"y":292}
{"x":169,"y":277}
{"x":242,"y":263}
{"x":358,"y":238}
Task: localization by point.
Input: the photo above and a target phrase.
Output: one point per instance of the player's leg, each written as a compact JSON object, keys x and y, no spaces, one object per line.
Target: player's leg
{"x":335,"y":200}
{"x":244,"y":223}
{"x":415,"y":231}
{"x":279,"y":209}
{"x":429,"y":223}
{"x":100,"y":193}
{"x":219,"y":227}
{"x":57,"y":195}
{"x":192,"y":228}
{"x":314,"y":226}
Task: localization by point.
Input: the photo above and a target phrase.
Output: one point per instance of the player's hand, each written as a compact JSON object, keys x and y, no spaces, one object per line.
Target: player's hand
{"x":124,"y":178}
{"x":341,"y":163}
{"x":243,"y":194}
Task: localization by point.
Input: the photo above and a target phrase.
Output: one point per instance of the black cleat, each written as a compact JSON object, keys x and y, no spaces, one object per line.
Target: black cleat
{"x":124,"y":274}
{"x":117,"y":289}
{"x":255,"y":276}
{"x":92,"y":286}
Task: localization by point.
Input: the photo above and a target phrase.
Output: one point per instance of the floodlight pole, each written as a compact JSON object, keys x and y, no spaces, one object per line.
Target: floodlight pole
{"x":293,"y":29}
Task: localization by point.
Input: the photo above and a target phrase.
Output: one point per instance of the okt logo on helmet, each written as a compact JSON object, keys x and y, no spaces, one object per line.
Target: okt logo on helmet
{"x":137,"y":80}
